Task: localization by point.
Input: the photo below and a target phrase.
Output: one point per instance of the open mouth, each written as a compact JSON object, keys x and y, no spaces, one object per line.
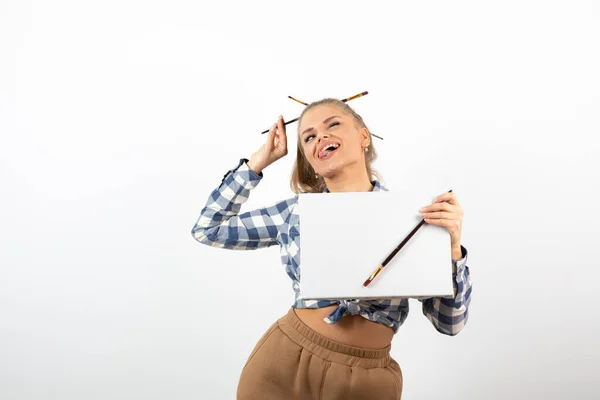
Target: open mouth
{"x":328,"y":151}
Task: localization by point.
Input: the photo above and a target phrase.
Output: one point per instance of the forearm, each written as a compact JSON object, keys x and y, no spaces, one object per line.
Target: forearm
{"x":219,"y":223}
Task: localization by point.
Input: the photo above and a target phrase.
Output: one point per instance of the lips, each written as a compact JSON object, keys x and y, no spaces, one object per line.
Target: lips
{"x":326,"y":149}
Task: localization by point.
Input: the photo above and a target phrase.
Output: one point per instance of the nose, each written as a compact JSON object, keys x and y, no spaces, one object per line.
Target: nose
{"x":321,"y":136}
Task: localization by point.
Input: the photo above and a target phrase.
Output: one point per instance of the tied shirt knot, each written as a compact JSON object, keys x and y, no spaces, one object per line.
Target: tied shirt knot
{"x":346,"y":307}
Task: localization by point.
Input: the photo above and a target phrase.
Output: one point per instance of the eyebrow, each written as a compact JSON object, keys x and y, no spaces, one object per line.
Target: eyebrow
{"x":324,"y":121}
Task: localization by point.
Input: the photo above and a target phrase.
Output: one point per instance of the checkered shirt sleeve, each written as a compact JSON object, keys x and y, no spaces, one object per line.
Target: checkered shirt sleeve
{"x":449,"y":314}
{"x":219,"y":224}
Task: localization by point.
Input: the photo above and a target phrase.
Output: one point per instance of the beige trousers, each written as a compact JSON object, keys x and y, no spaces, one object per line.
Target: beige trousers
{"x":291,"y":361}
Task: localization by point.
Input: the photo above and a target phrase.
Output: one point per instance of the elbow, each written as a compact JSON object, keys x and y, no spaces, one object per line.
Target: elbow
{"x":458,"y":324}
{"x":200,"y":234}
{"x":447,"y":317}
{"x":450,"y":332}
{"x":210,"y":236}
{"x":456,"y":315}
{"x":206,"y":227}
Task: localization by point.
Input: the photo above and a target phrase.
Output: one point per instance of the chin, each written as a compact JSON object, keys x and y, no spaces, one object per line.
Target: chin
{"x":331,"y":169}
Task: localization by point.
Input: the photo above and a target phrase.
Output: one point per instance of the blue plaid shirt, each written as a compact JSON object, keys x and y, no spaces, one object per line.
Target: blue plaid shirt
{"x":221,"y":225}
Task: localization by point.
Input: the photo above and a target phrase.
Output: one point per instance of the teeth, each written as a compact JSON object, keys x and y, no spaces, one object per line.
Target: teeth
{"x":331,"y":146}
{"x":325,"y":152}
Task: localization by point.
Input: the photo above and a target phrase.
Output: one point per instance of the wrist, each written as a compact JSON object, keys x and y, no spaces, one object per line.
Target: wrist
{"x":456,"y":252}
{"x":255,"y":167}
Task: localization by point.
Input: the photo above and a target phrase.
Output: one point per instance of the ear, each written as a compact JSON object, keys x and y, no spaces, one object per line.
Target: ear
{"x":365,"y":141}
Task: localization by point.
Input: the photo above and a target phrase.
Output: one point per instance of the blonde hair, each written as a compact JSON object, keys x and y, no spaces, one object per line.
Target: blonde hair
{"x":303,"y":178}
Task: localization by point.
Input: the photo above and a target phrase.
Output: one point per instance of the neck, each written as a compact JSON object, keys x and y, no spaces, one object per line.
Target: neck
{"x":349,"y":182}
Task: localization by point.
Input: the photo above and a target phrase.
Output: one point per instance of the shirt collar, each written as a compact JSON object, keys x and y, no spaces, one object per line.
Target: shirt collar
{"x":377,"y":186}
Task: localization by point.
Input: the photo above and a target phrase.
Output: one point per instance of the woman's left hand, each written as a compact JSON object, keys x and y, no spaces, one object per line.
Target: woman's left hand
{"x":445,"y":211}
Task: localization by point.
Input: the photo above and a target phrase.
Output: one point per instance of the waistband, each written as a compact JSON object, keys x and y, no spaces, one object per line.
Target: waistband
{"x":329,"y":349}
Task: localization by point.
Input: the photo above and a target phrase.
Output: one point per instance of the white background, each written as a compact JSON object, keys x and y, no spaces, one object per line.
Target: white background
{"x":118,"y":118}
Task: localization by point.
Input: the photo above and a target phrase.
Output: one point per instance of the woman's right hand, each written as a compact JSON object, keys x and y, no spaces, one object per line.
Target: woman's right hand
{"x":274,"y":148}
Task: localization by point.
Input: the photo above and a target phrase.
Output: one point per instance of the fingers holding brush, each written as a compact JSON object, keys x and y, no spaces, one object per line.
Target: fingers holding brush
{"x":277,"y":141}
{"x":447,"y":212}
{"x":280,"y":136}
{"x":449,"y":197}
{"x":274,"y":148}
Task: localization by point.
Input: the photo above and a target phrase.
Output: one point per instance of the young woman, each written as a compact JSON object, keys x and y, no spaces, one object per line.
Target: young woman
{"x":325,"y":349}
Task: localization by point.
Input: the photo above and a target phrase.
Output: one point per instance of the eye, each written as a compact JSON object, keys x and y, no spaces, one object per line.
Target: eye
{"x":334,"y":123}
{"x":308,"y":137}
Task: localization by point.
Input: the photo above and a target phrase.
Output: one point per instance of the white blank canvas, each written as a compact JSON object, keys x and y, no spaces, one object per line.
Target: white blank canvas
{"x":345,"y":236}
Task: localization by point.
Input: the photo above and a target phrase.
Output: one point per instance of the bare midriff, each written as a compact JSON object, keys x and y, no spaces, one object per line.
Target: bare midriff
{"x":352,"y":330}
